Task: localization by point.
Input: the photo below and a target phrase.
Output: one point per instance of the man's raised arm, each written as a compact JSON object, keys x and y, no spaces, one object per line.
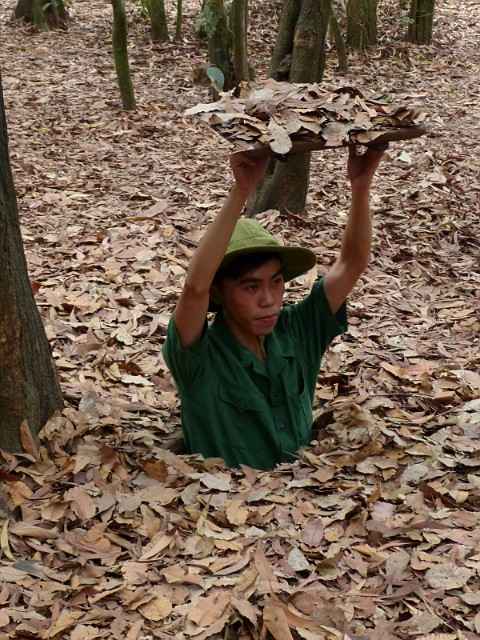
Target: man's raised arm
{"x":357,"y":237}
{"x":192,"y":306}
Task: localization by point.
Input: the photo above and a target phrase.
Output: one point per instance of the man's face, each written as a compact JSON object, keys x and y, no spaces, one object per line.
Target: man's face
{"x":252,"y":303}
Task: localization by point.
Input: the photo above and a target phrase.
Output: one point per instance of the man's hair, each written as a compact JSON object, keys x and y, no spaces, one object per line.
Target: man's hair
{"x":241,"y":265}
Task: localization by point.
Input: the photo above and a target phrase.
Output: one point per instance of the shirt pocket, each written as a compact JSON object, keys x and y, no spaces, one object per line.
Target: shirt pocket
{"x":241,"y":400}
{"x":244,"y":415}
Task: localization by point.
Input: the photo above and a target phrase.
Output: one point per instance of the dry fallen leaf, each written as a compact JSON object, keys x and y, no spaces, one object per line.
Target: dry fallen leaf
{"x":156,"y":609}
{"x":448,"y":576}
{"x":274,"y":619}
{"x":208,"y":610}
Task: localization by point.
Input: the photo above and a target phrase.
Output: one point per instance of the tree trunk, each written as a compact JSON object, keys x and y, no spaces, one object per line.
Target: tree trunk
{"x":29,"y":389}
{"x":178,"y":25}
{"x":285,"y":185}
{"x":120,"y":54}
{"x":361,"y":23}
{"x":43,"y":15}
{"x":238,"y":22}
{"x":420,"y":26}
{"x":282,"y":51}
{"x":339,"y":42}
{"x":158,"y":20}
{"x":310,"y":37}
{"x":218,"y":38}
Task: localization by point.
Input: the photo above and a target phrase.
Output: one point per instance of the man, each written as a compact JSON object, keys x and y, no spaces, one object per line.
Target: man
{"x":247,"y":381}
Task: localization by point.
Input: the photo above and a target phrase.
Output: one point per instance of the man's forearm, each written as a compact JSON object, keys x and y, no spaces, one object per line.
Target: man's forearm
{"x":213,"y":245}
{"x":212,"y":248}
{"x":357,"y":237}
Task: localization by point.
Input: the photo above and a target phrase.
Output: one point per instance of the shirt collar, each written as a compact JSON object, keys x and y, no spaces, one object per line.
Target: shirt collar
{"x":277,"y":344}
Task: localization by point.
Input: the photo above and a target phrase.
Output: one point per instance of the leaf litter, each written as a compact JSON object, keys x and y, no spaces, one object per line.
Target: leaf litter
{"x":373,"y":532}
{"x":281,"y":116}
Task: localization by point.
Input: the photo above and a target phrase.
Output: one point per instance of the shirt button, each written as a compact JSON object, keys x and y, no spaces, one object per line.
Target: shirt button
{"x":283,"y":427}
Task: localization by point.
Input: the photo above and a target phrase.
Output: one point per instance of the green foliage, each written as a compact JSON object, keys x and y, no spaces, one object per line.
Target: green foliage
{"x":142,"y":5}
{"x":54,"y":4}
{"x":216,"y":77}
{"x":404,"y":12}
{"x":207,"y":22}
{"x":405,"y":19}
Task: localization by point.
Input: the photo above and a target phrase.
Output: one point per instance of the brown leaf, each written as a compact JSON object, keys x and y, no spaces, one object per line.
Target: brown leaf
{"x":312,"y":535}
{"x":159,"y":543}
{"x":156,"y":469}
{"x":208,"y":610}
{"x":448,"y":576}
{"x":24,"y":529}
{"x":236,"y":513}
{"x":156,"y":609}
{"x":81,"y":503}
{"x":27,"y":439}
{"x":263,"y":566}
{"x":274,"y":619}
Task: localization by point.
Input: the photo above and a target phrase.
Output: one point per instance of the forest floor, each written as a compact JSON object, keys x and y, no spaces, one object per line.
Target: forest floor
{"x":375,"y":531}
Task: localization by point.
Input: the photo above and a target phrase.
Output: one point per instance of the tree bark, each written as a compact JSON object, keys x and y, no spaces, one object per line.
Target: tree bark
{"x":120,"y":55}
{"x":43,"y":15}
{"x":339,"y":42}
{"x":238,"y":22}
{"x":158,"y":20}
{"x":361,"y":23}
{"x":282,"y":51}
{"x":285,"y":185}
{"x":420,"y":26}
{"x":178,"y":24}
{"x":308,"y":56}
{"x":29,"y":388}
{"x":218,"y":38}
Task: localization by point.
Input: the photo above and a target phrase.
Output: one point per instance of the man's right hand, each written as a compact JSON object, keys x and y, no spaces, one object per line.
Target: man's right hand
{"x":247,"y":170}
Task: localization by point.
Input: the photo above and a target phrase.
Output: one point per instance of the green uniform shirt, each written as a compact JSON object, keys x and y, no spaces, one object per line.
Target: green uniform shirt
{"x":235,"y":407}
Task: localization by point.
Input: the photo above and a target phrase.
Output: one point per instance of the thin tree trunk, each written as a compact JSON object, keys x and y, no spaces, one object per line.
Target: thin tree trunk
{"x":158,"y":20}
{"x":361,"y":23}
{"x":309,"y":41}
{"x":339,"y":42}
{"x":282,"y":51}
{"x":218,"y":38}
{"x":120,"y":55}
{"x":29,"y":388}
{"x":178,"y":26}
{"x":285,"y":185}
{"x":420,"y":26}
{"x":238,"y":21}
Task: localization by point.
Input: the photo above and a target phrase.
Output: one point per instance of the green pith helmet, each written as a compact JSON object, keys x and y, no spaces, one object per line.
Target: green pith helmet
{"x":250,"y":237}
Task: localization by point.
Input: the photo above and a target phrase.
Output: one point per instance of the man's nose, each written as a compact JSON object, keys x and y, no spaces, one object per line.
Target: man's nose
{"x":267,"y":297}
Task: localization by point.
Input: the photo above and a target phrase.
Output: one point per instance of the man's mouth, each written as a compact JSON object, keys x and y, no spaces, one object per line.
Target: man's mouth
{"x":271,"y":319}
